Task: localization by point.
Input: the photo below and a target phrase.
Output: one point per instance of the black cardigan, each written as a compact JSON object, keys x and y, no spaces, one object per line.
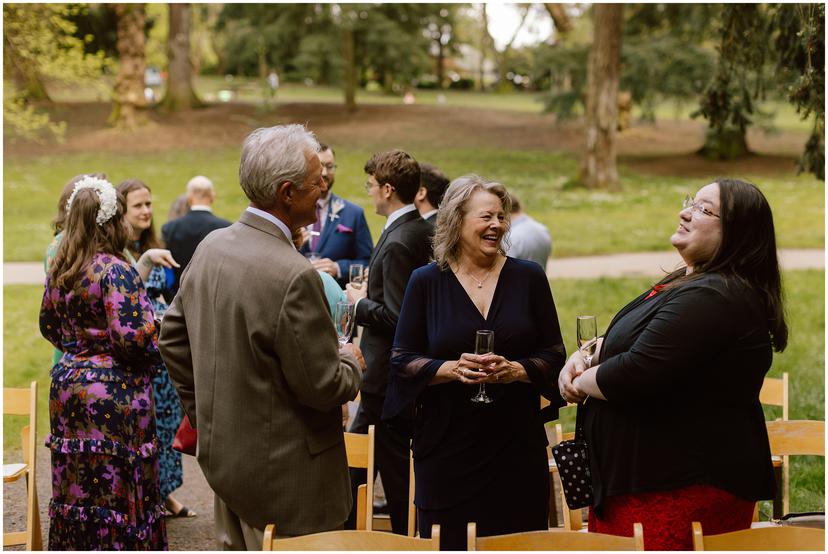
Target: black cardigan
{"x":681,"y":372}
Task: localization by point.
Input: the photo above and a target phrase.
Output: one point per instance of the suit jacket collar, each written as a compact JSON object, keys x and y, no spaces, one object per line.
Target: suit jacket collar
{"x":402,"y":220}
{"x":263,"y":225}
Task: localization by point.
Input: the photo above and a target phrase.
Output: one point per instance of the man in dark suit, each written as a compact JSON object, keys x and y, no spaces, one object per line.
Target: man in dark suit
{"x":183,"y":235}
{"x":340,"y":235}
{"x":433,"y":184}
{"x":393,"y":181}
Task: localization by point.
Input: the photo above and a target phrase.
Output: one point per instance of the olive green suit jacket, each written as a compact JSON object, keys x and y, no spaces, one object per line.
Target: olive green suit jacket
{"x":251,"y":349}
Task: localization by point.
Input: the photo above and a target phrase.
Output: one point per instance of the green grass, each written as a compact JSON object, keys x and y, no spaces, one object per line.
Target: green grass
{"x":26,"y":355}
{"x":581,"y":222}
{"x":803,"y":359}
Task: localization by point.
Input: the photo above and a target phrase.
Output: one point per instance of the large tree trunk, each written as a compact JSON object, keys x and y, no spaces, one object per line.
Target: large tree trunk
{"x":180,"y":93}
{"x":129,"y":105}
{"x":350,"y":71}
{"x":441,"y":61}
{"x":601,"y":118}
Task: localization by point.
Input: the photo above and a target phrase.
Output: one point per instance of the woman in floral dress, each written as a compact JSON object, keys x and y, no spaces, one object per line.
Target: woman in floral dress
{"x":105,"y":492}
{"x":145,"y":252}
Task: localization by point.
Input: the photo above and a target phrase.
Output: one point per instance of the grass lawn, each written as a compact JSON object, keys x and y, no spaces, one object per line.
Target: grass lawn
{"x":26,"y":355}
{"x":581,"y":222}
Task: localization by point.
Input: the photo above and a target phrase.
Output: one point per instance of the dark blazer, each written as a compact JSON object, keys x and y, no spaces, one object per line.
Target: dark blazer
{"x":183,"y":235}
{"x":401,"y":249}
{"x":249,"y":345}
{"x":345,"y":238}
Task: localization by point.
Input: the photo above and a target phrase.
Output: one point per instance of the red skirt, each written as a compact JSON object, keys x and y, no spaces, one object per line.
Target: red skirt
{"x":666,"y":516}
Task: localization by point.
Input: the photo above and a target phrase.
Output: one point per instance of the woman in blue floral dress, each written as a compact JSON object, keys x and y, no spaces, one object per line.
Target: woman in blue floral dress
{"x":104,"y":449}
{"x":146,"y":254}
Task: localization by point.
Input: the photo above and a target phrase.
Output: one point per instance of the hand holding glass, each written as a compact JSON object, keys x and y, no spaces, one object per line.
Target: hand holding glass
{"x":587,"y":333}
{"x":483,"y":344}
{"x":344,"y":321}
{"x":355,"y":276}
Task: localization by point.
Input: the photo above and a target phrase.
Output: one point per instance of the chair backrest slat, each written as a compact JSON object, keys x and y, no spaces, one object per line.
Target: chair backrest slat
{"x":776,"y":538}
{"x":797,"y":437}
{"x":555,"y":539}
{"x":352,"y":541}
{"x":16,"y":401}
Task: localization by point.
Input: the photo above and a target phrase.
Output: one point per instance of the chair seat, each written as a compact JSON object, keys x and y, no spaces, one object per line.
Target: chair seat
{"x":13,"y":472}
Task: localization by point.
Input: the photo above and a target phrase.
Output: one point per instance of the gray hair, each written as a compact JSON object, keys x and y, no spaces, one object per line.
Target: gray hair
{"x":453,"y":210}
{"x":200,"y":184}
{"x":271,"y":156}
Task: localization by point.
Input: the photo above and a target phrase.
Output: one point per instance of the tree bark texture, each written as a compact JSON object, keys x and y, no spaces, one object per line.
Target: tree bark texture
{"x":180,"y":93}
{"x":350,"y":71}
{"x":129,"y":105}
{"x":601,"y":118}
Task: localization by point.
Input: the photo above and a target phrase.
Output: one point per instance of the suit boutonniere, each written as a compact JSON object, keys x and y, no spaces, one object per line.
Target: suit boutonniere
{"x":336,"y":207}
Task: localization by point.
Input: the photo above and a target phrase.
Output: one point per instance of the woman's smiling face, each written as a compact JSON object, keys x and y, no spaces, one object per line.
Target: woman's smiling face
{"x":699,"y":233}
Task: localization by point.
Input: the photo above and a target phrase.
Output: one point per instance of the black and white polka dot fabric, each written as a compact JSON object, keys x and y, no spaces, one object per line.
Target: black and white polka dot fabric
{"x":573,"y":468}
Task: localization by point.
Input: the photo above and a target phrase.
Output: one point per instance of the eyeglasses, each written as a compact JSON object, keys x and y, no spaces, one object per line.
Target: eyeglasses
{"x":697,"y":208}
{"x":329,"y":167}
{"x":369,"y":185}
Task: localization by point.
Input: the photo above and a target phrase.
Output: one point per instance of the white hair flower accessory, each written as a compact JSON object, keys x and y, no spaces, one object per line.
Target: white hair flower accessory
{"x":106,"y":194}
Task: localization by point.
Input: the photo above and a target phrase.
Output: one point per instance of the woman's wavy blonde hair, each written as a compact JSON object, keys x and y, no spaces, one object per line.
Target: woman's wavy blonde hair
{"x":453,"y":210}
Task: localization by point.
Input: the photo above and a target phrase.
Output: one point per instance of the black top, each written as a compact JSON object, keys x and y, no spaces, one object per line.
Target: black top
{"x":458,"y":443}
{"x":401,"y":249}
{"x":183,"y":235}
{"x":681,"y":372}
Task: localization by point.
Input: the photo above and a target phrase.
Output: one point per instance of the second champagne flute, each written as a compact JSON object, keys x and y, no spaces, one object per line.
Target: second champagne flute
{"x":483,"y":344}
{"x":355,"y":275}
{"x":344,"y":321}
{"x":587,"y":332}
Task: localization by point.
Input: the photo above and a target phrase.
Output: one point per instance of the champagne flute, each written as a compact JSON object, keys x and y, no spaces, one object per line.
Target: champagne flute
{"x":587,"y":333}
{"x":344,"y":321}
{"x":355,"y":275}
{"x":483,"y":344}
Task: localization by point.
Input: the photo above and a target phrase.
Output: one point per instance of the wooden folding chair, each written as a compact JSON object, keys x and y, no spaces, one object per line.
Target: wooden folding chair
{"x":554,"y":436}
{"x":780,"y":537}
{"x":774,"y":392}
{"x":350,"y":540}
{"x":555,"y":539}
{"x":796,"y":438}
{"x":412,"y":509}
{"x":24,"y":402}
{"x":359,"y":450}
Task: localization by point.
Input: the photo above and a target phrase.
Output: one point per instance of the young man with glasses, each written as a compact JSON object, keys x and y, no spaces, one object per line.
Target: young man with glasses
{"x":340,"y":236}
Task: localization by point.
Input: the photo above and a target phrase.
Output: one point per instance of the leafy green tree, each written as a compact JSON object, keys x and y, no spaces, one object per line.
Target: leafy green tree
{"x":39,"y":47}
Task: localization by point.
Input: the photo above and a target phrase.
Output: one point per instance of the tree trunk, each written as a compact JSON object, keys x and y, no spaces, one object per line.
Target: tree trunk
{"x":129,"y":105}
{"x":441,"y":61}
{"x":180,"y":93}
{"x":350,"y":71}
{"x":601,"y":118}
{"x":484,"y":35}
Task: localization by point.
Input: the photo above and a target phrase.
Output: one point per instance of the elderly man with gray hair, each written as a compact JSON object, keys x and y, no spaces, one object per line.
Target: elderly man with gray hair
{"x":237,"y":342}
{"x":183,"y":235}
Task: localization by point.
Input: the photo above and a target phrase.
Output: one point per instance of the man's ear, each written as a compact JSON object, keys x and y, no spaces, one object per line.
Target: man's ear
{"x":284,"y":192}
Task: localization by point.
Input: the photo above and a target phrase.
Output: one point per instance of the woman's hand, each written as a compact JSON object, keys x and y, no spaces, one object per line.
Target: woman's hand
{"x":467,"y":370}
{"x":500,"y":370}
{"x":573,"y":368}
{"x":158,"y":256}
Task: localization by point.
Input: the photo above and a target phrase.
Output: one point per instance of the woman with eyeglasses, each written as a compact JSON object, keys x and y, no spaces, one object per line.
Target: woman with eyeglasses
{"x":671,"y":411}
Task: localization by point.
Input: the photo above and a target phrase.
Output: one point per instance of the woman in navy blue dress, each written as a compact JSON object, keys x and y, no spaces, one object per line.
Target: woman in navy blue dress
{"x":476,"y":462}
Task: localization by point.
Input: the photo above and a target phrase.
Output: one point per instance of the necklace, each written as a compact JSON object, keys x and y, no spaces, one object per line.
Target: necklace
{"x":479,"y":282}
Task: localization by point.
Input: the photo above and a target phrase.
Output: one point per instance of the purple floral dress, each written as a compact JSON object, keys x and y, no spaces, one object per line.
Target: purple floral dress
{"x":105,"y":491}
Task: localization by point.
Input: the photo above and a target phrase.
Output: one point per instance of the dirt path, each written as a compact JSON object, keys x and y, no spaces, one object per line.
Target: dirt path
{"x":646,"y":264}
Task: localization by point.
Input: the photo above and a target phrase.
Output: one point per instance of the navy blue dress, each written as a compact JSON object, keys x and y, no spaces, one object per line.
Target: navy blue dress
{"x":474,"y":462}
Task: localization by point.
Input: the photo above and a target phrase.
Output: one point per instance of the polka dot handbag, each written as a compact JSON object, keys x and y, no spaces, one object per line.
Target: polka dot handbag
{"x":572,"y":459}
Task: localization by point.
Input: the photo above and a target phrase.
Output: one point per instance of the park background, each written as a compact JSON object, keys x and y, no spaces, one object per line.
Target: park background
{"x":163,"y":92}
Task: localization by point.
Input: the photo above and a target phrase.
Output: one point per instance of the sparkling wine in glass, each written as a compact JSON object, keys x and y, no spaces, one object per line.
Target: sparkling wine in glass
{"x":355,"y":275}
{"x":483,"y":344}
{"x":587,"y":336}
{"x":344,"y":321}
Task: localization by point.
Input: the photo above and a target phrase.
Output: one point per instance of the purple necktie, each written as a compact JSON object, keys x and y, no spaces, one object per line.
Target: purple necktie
{"x":317,"y":228}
